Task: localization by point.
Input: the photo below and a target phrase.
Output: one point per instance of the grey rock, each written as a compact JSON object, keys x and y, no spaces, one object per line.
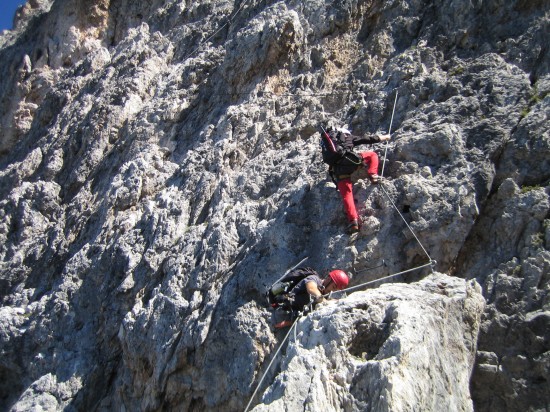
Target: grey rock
{"x":368,"y":351}
{"x":160,"y":168}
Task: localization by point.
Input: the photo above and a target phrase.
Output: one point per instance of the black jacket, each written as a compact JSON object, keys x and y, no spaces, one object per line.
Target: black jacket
{"x":347,"y":164}
{"x":349,"y":141}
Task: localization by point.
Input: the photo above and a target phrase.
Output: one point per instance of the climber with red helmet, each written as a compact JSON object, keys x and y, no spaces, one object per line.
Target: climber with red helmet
{"x":303,"y":286}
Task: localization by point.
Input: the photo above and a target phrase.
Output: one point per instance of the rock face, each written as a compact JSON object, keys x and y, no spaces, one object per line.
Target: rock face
{"x":160,"y":167}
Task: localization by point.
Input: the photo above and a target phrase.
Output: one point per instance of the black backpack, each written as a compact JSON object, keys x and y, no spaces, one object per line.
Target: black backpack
{"x":341,"y":160}
{"x":278,"y":295}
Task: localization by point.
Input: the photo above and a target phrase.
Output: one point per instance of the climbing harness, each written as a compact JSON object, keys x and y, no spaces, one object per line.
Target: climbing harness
{"x":389,"y":132}
{"x":273,"y":359}
{"x":336,"y":155}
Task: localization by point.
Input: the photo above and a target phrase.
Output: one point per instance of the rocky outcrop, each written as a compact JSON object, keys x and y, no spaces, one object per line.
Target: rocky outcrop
{"x":397,"y":348}
{"x":160,"y":167}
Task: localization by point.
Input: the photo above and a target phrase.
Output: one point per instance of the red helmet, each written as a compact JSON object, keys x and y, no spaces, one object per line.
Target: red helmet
{"x":340,"y":278}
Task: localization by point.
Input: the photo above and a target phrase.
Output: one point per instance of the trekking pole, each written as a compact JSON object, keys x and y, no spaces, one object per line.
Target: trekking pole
{"x":291,"y":269}
{"x":389,"y":132}
{"x":295,"y":266}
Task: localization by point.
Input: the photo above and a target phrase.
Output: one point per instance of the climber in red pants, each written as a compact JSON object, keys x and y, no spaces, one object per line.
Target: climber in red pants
{"x":342,"y":170}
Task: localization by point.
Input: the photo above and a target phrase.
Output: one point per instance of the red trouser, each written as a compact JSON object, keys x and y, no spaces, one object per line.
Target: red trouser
{"x":345,"y":186}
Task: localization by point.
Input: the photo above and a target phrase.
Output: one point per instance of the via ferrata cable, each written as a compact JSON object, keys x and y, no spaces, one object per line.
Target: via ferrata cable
{"x":389,"y":133}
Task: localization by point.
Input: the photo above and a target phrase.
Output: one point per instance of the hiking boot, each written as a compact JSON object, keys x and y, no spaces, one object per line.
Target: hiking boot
{"x":353,"y":227}
{"x":283,"y":324}
{"x":374,"y":178}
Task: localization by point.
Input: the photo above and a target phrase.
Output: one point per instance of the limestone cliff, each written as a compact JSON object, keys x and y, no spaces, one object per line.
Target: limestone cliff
{"x":160,"y":167}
